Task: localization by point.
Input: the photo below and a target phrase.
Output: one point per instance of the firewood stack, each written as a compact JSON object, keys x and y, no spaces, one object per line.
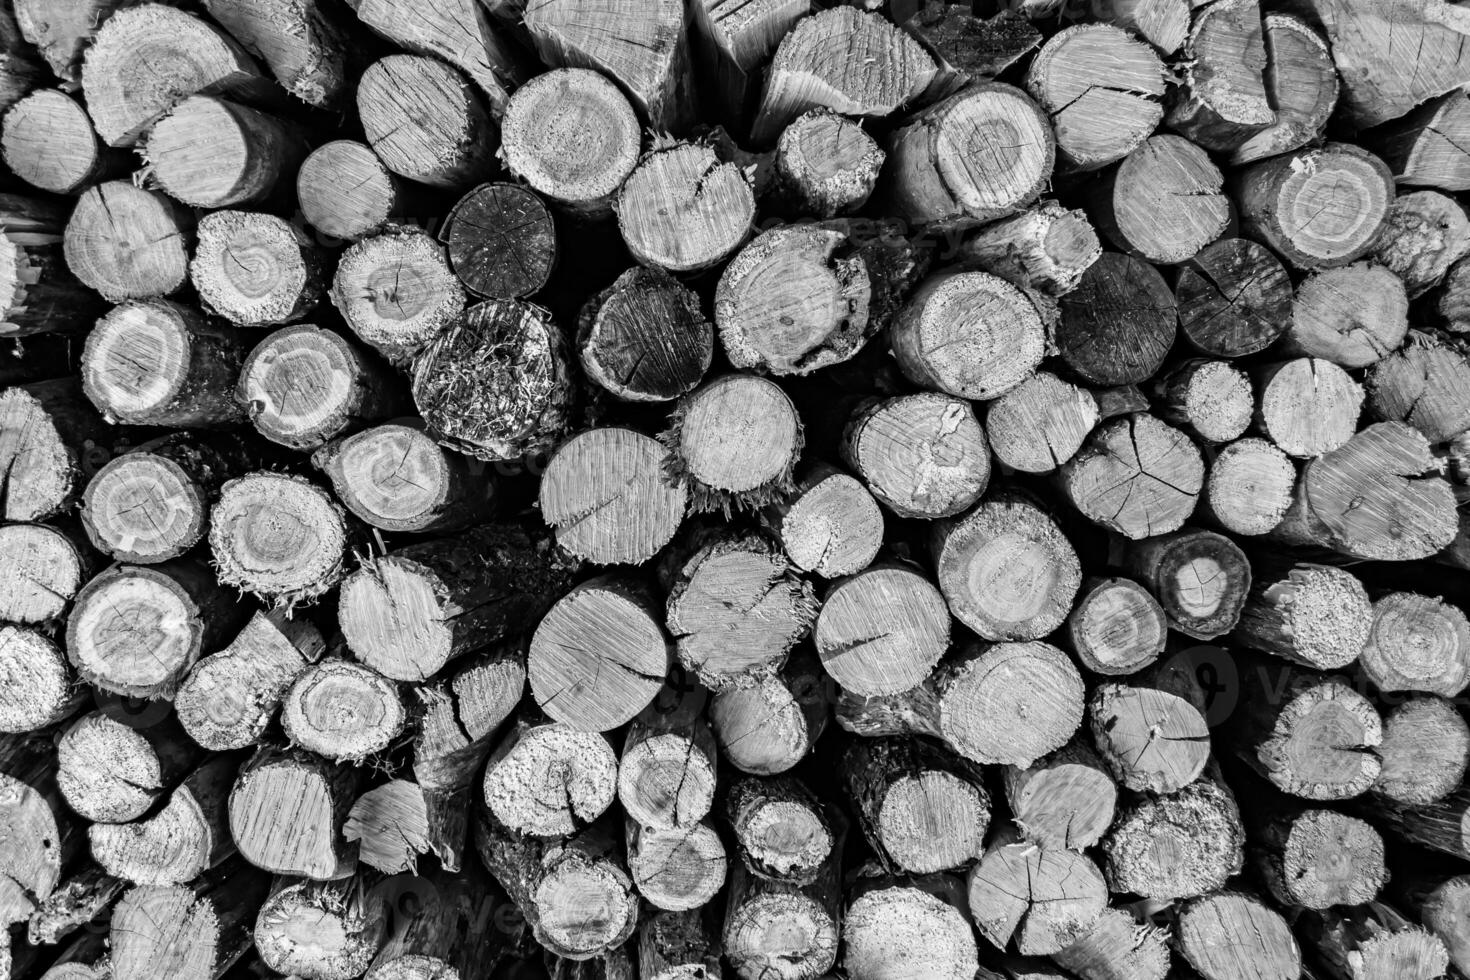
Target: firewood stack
{"x":761,"y":489}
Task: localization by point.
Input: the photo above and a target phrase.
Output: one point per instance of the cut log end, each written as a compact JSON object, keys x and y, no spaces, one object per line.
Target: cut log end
{"x":1010,"y":704}
{"x":345,"y":191}
{"x":922,"y":455}
{"x":278,"y":537}
{"x":736,"y":441}
{"x":342,"y":711}
{"x":1117,"y":627}
{"x":572,"y":135}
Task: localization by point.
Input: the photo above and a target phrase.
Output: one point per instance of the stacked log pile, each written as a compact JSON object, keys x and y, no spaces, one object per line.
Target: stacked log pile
{"x":766,"y":489}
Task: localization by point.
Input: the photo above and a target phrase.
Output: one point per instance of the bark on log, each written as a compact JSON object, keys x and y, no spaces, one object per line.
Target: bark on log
{"x":1180,"y":846}
{"x":549,"y":779}
{"x":818,"y":65}
{"x":1373,"y":498}
{"x":1136,"y":476}
{"x":1311,"y":736}
{"x":127,"y":242}
{"x":1006,"y":570}
{"x":735,"y":606}
{"x":145,"y":59}
{"x":136,"y":630}
{"x":1164,"y":202}
{"x":932,"y":183}
{"x":1288,"y":203}
{"x":922,"y":809}
{"x":794,"y":300}
{"x":212,"y":153}
{"x":1118,"y":324}
{"x":277,"y":537}
{"x":921,"y":455}
{"x":1042,"y":899}
{"x":734,"y":443}
{"x":301,"y":43}
{"x":968,"y":48}
{"x":572,"y":136}
{"x":345,"y":191}
{"x":496,"y":384}
{"x":425,"y":941}
{"x":409,"y":612}
{"x":40,"y":292}
{"x":1301,"y":86}
{"x":1103,"y":91}
{"x":287,"y":811}
{"x":1416,"y":643}
{"x":425,"y":122}
{"x":396,"y":291}
{"x":48,"y":141}
{"x":683,"y":209}
{"x":1313,"y":615}
{"x":642,"y":46}
{"x":1425,"y":751}
{"x":255,"y":270}
{"x":157,"y":362}
{"x":229,"y":697}
{"x":73,"y":905}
